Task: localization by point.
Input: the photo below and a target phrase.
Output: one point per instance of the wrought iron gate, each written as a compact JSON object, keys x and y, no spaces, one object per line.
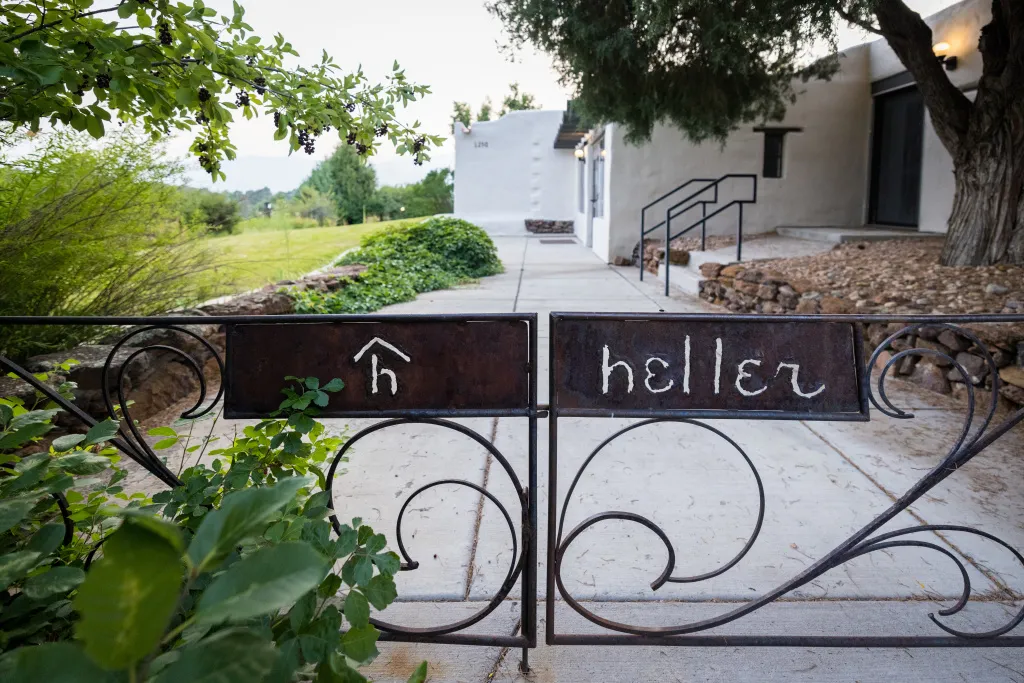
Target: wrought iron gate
{"x":660,"y":368}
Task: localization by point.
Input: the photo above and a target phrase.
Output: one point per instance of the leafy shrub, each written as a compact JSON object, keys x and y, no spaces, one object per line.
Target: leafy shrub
{"x":422,"y":257}
{"x":87,"y":231}
{"x":212,"y":212}
{"x":229,"y":577}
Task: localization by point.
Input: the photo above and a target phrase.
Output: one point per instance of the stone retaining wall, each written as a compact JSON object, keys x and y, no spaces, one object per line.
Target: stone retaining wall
{"x":749,"y":289}
{"x":543,"y":227}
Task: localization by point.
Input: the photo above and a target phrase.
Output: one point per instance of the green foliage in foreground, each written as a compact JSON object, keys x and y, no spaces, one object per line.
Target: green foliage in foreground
{"x":435,"y":254}
{"x":229,"y":577}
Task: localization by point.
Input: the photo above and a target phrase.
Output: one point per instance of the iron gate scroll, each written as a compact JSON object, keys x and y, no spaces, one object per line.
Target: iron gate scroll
{"x":678,"y":368}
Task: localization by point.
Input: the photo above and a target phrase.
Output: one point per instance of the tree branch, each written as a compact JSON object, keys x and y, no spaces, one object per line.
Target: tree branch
{"x":911,"y":40}
{"x":77,"y":15}
{"x":851,"y":19}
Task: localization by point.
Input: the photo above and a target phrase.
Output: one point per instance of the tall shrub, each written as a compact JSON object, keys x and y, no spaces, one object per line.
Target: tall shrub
{"x":90,"y":231}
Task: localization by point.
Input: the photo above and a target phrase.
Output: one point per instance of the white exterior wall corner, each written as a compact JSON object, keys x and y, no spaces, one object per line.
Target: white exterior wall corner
{"x":825,"y":167}
{"x":508,"y":170}
{"x":959,"y":25}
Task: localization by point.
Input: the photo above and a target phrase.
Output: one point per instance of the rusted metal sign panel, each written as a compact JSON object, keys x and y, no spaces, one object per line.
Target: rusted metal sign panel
{"x":672,"y":365}
{"x":430,"y":366}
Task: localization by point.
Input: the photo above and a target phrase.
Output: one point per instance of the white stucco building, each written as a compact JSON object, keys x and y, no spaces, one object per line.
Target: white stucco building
{"x":509,"y":170}
{"x":856,"y":151}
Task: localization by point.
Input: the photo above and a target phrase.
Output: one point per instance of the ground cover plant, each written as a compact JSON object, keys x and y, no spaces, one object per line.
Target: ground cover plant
{"x":234,"y":575}
{"x":433,"y":254}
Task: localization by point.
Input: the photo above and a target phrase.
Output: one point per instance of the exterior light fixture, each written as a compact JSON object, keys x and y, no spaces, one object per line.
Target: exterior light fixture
{"x":604,"y":153}
{"x":579,"y":153}
{"x":941,"y":50}
{"x":402,"y":209}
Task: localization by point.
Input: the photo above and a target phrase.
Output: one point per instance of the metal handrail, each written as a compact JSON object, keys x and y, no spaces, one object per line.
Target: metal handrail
{"x":644,"y":232}
{"x":704,"y":219}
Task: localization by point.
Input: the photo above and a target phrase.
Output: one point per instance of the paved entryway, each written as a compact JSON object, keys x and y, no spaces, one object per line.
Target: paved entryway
{"x":822,"y":482}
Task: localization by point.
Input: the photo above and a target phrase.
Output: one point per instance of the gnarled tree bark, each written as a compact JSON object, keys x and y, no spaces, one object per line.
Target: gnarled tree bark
{"x":985,"y":137}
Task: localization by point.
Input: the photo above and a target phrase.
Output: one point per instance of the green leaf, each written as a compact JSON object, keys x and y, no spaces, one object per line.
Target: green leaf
{"x":14,"y":566}
{"x":157,"y":525}
{"x":102,"y":431}
{"x":128,"y":596}
{"x":337,"y":670}
{"x":162,"y":431}
{"x":56,"y":580}
{"x":67,"y":442}
{"x":419,"y":675}
{"x":357,"y":609}
{"x":381,"y":591}
{"x":263,"y":583}
{"x":51,"y":663}
{"x":13,"y":510}
{"x":321,"y":399}
{"x":242,"y":514}
{"x":387,"y":563}
{"x":360,"y":643}
{"x":329,"y":587}
{"x":24,"y":435}
{"x":33,"y":417}
{"x":334,"y":385}
{"x":312,"y":383}
{"x":164,"y":444}
{"x":82,"y":463}
{"x":231,"y":656}
{"x":5,"y":415}
{"x":47,"y":539}
{"x":94,"y":125}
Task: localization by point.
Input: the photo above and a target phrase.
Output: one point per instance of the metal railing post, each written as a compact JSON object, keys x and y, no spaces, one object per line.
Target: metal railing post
{"x":739,"y":236}
{"x":640,"y":254}
{"x":668,"y":236}
{"x":704,"y":223}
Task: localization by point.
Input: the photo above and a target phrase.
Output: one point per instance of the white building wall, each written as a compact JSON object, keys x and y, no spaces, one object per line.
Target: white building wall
{"x":825,"y":166}
{"x":508,"y":170}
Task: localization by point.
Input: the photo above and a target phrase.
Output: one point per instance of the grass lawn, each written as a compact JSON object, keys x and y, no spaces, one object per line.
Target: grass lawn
{"x":252,"y":259}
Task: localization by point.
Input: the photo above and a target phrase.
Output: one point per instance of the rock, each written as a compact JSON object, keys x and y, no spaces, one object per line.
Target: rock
{"x":1001,"y":357}
{"x":995,"y":289}
{"x":811,"y":295}
{"x":679,"y":257}
{"x":751,"y":275}
{"x":883,"y":358}
{"x":88,"y":374}
{"x":1013,"y":375}
{"x":1020,"y":353}
{"x":622,"y":261}
{"x":975,"y":366}
{"x":732,"y":271}
{"x":929,"y":332}
{"x":773,"y":277}
{"x":953,"y":341}
{"x":801,"y":286}
{"x":833,"y":305}
{"x":786,"y":289}
{"x":788,"y":300}
{"x":931,"y":377}
{"x":940,"y":361}
{"x":1013,"y":304}
{"x":1012,"y":393}
{"x":257,"y":303}
{"x":807,"y":306}
{"x":746,"y":287}
{"x":772,"y":308}
{"x":767,"y":292}
{"x":711,"y":270}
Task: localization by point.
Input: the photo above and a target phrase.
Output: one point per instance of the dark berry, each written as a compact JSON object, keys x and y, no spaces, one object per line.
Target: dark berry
{"x":204,"y":94}
{"x":85,"y":84}
{"x":309,"y":147}
{"x":200,"y":146}
{"x":351,"y":138}
{"x":327,"y":128}
{"x":242,"y":98}
{"x":165,"y":34}
{"x":361,"y":148}
{"x":102,"y":80}
{"x":381,"y":130}
{"x":204,"y":161}
{"x":251,"y":61}
{"x":202,"y":119}
{"x":277,"y":119}
{"x":351,"y":106}
{"x":261,"y":85}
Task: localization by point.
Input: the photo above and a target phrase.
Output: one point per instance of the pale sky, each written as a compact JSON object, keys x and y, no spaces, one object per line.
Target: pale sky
{"x":450,"y":45}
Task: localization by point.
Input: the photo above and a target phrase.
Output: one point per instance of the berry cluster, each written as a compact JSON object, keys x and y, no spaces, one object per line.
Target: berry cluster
{"x":381,"y":130}
{"x":102,"y":80}
{"x":85,"y":84}
{"x":261,"y":85}
{"x":418,"y":161}
{"x":350,"y":107}
{"x":351,"y":138}
{"x":418,"y":143}
{"x":202,"y":119}
{"x":165,"y":34}
{"x":242,"y":98}
{"x":204,"y":161}
{"x":277,"y":119}
{"x":361,"y":149}
{"x":250,"y":60}
{"x":306,"y":141}
{"x":204,"y":94}
{"x":201,"y":147}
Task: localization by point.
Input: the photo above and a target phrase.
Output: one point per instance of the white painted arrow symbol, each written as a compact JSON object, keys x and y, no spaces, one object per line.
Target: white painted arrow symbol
{"x":378,"y":340}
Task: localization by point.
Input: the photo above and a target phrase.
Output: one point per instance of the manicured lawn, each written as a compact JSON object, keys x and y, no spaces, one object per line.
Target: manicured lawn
{"x":252,"y":259}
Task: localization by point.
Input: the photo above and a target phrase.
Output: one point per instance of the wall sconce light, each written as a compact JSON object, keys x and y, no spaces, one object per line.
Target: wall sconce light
{"x":579,"y":153}
{"x":940,"y":50}
{"x":604,"y":153}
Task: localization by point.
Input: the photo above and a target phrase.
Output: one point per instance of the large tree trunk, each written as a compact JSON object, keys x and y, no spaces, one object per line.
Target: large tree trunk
{"x":986,"y":225}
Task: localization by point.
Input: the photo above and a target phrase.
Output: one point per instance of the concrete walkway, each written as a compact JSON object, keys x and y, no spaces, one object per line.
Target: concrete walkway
{"x":822,"y":481}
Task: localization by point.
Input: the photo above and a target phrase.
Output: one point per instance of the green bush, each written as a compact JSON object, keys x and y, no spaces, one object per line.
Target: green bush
{"x":90,"y":231}
{"x":214,"y":212}
{"x":435,"y":254}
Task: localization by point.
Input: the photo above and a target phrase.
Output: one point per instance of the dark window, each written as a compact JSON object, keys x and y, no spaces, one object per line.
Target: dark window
{"x":774,"y":147}
{"x":597,"y":197}
{"x":581,"y":185}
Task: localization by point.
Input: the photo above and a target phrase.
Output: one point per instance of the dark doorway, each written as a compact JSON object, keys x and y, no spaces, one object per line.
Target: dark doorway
{"x":896,"y":158}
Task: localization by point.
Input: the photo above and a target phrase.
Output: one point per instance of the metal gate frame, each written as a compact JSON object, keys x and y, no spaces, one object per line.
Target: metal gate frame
{"x":973,"y":440}
{"x":860,"y":543}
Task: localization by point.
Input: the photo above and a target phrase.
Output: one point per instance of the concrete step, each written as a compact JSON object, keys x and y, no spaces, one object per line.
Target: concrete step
{"x":841,"y":235}
{"x":681,"y":278}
